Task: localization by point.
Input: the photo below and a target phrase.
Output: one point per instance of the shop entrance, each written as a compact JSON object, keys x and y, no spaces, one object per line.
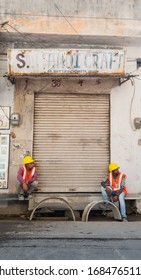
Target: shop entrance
{"x":71,"y":141}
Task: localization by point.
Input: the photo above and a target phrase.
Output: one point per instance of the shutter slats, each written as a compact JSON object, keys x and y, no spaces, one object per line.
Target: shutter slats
{"x":71,"y":141}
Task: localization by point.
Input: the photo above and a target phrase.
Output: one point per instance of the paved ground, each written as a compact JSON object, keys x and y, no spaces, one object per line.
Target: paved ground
{"x":68,"y":240}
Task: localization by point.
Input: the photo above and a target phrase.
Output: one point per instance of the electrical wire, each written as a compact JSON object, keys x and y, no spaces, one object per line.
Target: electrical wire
{"x":65,"y":18}
{"x":8,"y":32}
{"x":131,"y":105}
{"x":69,"y":23}
{"x":14,"y":28}
{"x":22,"y":36}
{"x":68,"y":16}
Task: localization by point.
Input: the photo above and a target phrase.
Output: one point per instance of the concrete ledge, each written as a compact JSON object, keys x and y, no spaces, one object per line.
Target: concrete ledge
{"x":10,"y":204}
{"x":78,"y":201}
{"x":8,"y":197}
{"x":132,"y":196}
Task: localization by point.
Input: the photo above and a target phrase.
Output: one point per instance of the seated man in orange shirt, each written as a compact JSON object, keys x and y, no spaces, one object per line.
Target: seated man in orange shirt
{"x":27,"y":178}
{"x":113,"y":188}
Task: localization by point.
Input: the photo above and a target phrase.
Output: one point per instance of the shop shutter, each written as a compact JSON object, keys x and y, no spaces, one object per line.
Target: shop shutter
{"x":71,"y":141}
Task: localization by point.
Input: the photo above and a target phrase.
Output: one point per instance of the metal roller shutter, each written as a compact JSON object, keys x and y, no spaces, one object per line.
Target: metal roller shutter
{"x":71,"y":141}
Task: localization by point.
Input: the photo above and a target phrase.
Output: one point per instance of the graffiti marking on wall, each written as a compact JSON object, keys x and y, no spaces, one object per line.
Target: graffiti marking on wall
{"x":4,"y":117}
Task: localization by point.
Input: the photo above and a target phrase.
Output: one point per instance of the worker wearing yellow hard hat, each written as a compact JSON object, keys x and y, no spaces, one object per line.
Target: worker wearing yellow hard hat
{"x":28,"y":159}
{"x":113,"y":166}
{"x":114,"y":189}
{"x":27,"y":180}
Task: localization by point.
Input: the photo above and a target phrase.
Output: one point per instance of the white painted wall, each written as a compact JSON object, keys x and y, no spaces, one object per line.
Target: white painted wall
{"x":84,"y":17}
{"x":125,"y":106}
{"x":6,"y":96}
{"x":6,"y":88}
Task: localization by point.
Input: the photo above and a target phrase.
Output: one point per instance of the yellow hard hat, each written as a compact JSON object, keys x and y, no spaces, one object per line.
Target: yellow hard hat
{"x":28,"y":159}
{"x":113,"y":166}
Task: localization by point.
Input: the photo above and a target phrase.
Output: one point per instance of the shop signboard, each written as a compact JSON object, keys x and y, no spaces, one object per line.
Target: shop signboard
{"x":62,"y":62}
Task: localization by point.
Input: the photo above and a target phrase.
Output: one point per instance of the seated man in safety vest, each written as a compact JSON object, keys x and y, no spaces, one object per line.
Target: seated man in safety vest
{"x":27,"y":178}
{"x":113,"y":188}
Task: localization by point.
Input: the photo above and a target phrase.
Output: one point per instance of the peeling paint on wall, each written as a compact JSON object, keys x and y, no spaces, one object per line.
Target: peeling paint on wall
{"x":18,"y":153}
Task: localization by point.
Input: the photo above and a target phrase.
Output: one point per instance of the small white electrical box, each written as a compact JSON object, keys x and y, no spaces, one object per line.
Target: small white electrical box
{"x":15,"y":118}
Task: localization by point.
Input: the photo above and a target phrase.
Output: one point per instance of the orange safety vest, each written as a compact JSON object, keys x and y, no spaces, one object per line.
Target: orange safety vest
{"x":115,"y":184}
{"x":28,"y":174}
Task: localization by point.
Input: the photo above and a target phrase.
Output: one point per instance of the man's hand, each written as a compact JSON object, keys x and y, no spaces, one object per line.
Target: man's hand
{"x":25,"y":187}
{"x":105,"y":183}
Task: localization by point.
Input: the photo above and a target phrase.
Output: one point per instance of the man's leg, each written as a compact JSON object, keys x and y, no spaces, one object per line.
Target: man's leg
{"x":122,"y":205}
{"x":19,"y":187}
{"x":20,"y":190}
{"x":32,"y":187}
{"x":104,"y":194}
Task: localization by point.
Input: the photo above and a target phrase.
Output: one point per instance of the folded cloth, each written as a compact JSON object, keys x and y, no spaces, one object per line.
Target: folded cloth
{"x":113,"y":193}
